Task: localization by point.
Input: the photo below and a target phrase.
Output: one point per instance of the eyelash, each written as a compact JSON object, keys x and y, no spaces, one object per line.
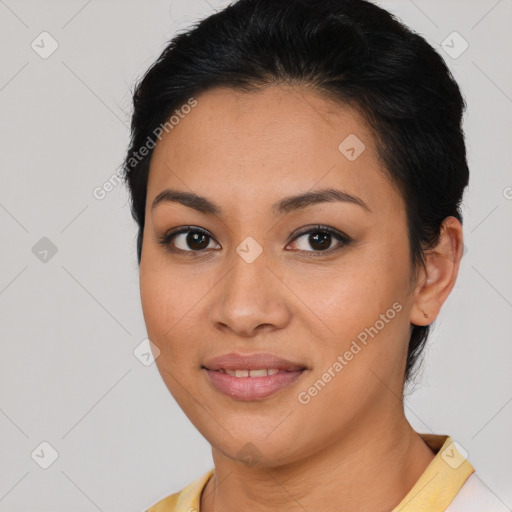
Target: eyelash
{"x":345,"y":240}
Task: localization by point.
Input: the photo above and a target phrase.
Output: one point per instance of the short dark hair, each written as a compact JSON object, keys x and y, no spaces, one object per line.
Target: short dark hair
{"x":350,"y":50}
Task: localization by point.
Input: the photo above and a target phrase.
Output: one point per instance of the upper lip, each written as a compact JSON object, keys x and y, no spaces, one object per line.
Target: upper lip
{"x":260,"y":360}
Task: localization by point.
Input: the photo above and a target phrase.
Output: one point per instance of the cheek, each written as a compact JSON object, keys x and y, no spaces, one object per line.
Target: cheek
{"x":154,"y":299}
{"x":347,"y":298}
{"x":359,"y":309}
{"x":168,"y":319}
{"x":157,"y":292}
{"x":171,"y":301}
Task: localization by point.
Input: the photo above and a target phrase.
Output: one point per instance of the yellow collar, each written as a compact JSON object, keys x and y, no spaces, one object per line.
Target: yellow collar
{"x":433,"y":492}
{"x":441,"y":481}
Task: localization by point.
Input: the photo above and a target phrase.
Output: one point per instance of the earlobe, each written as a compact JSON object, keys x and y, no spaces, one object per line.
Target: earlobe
{"x":436,"y":280}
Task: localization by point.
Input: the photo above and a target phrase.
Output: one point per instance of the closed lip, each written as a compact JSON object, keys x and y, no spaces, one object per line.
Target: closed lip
{"x":259,"y":360}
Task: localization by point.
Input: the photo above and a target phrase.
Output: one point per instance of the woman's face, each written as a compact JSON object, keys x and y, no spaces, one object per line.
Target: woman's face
{"x":255,"y":274}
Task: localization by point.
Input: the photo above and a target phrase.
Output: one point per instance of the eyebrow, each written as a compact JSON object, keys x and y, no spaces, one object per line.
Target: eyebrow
{"x":286,"y":205}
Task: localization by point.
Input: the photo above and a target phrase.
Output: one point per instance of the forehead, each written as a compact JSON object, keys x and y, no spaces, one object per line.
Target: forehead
{"x":277,"y":117}
{"x":260,"y":145}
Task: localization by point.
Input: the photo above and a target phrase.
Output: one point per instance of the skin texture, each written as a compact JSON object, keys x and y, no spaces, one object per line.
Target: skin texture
{"x":350,"y":447}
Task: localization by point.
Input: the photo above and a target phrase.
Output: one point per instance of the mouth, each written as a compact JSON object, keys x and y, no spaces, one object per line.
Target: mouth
{"x":240,"y":373}
{"x":252,"y":377}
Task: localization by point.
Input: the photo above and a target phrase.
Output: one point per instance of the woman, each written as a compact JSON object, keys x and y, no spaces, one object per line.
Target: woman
{"x":296,"y":171}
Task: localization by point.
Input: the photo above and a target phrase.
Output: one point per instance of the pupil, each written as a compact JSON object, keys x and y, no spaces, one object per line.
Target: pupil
{"x":197,"y":238}
{"x":324,"y":237}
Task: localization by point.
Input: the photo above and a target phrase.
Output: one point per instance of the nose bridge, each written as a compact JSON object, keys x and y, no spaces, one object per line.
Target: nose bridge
{"x":249,"y":269}
{"x":248,"y":295}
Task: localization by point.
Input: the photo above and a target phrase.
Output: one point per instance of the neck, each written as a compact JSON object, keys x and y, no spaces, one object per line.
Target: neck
{"x":371,"y":471}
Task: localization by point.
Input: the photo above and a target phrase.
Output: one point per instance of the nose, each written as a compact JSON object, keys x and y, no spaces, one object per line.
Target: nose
{"x":249,"y":299}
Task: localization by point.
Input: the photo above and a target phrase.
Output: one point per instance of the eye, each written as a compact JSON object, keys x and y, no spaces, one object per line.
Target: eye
{"x":188,"y":239}
{"x":320,"y":239}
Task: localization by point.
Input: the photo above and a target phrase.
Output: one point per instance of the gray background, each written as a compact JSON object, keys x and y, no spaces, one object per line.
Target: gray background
{"x":70,"y":321}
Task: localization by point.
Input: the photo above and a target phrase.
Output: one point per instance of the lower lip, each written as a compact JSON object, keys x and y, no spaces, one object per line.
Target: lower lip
{"x":252,"y":388}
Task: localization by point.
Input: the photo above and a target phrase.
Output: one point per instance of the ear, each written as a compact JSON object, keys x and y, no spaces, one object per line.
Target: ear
{"x":442,"y":266}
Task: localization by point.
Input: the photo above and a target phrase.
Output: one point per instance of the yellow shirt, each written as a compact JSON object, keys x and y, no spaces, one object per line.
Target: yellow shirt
{"x":433,"y":492}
